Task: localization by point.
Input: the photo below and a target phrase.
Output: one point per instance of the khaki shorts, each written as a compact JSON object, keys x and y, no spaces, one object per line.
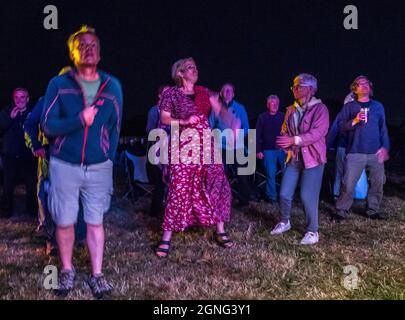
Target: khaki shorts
{"x":70,"y":183}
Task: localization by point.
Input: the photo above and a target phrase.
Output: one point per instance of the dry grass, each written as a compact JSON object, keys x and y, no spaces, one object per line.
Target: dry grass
{"x":259,"y":267}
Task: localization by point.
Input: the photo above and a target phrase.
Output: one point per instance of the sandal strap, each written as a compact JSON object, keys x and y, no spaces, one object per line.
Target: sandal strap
{"x":164,"y":242}
{"x":162,"y":250}
{"x":226,"y":240}
{"x":222,"y":234}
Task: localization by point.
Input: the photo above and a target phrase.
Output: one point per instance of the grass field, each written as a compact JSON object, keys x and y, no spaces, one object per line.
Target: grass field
{"x":258,"y":267}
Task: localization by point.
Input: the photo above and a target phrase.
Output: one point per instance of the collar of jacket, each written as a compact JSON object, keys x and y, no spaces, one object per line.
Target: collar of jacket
{"x":103,"y":76}
{"x":314,"y":101}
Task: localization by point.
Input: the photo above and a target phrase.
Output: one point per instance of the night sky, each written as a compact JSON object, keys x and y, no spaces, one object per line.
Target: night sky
{"x":258,"y":46}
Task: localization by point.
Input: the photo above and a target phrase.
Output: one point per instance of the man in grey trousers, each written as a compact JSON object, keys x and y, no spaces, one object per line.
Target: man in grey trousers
{"x":368,"y":145}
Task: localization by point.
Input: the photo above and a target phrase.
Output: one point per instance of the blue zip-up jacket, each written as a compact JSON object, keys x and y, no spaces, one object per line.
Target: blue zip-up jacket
{"x":73,"y":141}
{"x":365,"y":138}
{"x":239,"y":111}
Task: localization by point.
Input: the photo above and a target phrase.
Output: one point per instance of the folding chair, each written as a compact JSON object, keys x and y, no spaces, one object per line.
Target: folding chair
{"x":260,"y":177}
{"x":137,"y":177}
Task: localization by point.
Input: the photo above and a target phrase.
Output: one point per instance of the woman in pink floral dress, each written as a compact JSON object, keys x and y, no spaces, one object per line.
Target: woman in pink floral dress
{"x":199,"y":193}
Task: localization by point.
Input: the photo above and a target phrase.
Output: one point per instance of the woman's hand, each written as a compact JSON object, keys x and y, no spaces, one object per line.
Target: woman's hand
{"x":193,"y":120}
{"x":215,"y":102}
{"x":284,"y":142}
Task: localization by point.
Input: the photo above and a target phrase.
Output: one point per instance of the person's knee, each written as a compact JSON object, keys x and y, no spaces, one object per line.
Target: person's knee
{"x":348,"y":185}
{"x":65,"y":229}
{"x":377,"y":178}
{"x":286,"y":194}
{"x":95,"y":227}
{"x":307,"y":198}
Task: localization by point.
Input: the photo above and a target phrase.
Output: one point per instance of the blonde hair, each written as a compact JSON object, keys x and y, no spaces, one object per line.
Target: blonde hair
{"x":177,"y":67}
{"x":64,"y":70}
{"x":84,"y":29}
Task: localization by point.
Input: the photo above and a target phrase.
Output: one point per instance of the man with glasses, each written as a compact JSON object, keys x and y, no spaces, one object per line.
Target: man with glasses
{"x":367,"y":147}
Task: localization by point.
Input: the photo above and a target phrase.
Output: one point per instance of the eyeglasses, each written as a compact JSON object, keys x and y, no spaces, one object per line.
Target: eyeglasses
{"x":365,"y":83}
{"x":295,"y":88}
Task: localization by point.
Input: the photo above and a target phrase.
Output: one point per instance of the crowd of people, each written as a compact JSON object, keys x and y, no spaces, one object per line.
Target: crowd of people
{"x":73,"y":132}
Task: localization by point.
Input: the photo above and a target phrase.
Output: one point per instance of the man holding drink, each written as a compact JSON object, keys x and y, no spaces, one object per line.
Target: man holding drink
{"x":368,"y":144}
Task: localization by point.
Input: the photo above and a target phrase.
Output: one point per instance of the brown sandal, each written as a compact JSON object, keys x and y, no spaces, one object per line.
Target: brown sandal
{"x":223,"y":240}
{"x":163,"y":250}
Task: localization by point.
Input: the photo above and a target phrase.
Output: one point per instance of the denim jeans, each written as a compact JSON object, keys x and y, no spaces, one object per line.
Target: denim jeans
{"x":339,"y":170}
{"x":273,"y":159}
{"x":311,"y":182}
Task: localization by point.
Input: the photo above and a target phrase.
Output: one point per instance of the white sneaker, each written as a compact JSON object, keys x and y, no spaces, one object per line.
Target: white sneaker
{"x":310,"y":238}
{"x":280,"y":228}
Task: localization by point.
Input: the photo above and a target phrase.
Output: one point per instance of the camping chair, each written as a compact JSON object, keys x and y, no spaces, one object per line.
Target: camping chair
{"x":135,"y":169}
{"x":260,"y":177}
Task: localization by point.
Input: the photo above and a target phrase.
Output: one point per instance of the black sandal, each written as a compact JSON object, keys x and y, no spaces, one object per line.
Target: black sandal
{"x":225,"y":243}
{"x":163,"y":250}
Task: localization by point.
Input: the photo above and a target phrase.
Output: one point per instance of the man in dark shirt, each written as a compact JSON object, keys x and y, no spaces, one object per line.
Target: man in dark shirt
{"x":17,"y":159}
{"x":268,"y":127}
{"x":367,"y":147}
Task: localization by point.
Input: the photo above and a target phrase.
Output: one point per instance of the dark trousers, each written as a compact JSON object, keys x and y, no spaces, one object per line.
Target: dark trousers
{"x":158,"y":196}
{"x":16,"y":169}
{"x":273,"y":159}
{"x":244,"y":186}
{"x":354,"y":165}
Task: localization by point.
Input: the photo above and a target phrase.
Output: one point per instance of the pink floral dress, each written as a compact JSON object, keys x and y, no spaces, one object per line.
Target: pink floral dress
{"x":199,"y":194}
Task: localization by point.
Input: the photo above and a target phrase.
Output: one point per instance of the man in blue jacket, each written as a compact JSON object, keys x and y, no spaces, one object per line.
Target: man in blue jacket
{"x":363,"y":120}
{"x":233,"y":116}
{"x":82,"y":114}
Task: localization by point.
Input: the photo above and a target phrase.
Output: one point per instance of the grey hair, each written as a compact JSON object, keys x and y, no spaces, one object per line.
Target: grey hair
{"x":308,"y":80}
{"x":273,"y":96}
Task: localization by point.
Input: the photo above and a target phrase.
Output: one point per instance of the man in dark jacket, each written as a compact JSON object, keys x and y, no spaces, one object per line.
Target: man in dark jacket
{"x":363,"y":120}
{"x":82,"y":114}
{"x":268,"y":128}
{"x":18,"y":161}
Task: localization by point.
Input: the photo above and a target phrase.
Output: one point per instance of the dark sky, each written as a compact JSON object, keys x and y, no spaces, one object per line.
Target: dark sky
{"x":258,"y":46}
